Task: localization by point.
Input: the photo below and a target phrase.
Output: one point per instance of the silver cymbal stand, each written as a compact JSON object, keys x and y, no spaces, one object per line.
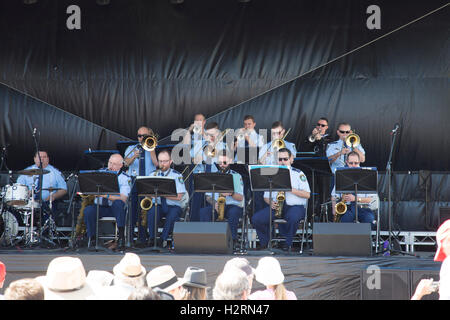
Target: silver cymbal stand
{"x":28,"y":235}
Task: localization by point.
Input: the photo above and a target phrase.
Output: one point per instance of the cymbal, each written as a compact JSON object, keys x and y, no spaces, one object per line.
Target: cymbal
{"x":32,"y":172}
{"x":51,"y":189}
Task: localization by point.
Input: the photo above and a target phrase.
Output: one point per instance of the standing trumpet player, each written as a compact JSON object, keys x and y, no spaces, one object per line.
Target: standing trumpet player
{"x":140,"y":162}
{"x":234,"y":203}
{"x":293,"y":208}
{"x":318,"y":139}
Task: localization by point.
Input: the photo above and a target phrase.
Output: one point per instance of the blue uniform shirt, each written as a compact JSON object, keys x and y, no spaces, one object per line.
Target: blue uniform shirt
{"x":179,"y":183}
{"x":133,"y":168}
{"x":124,"y":182}
{"x":53,"y":179}
{"x":197,"y":150}
{"x":299,"y":182}
{"x":270,"y":159}
{"x":238,"y":188}
{"x":335,"y":147}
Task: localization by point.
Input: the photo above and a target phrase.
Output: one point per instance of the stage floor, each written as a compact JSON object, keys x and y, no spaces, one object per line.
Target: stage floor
{"x":310,"y":277}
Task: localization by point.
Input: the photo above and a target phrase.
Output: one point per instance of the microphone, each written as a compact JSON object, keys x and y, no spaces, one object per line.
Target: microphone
{"x":396,"y":127}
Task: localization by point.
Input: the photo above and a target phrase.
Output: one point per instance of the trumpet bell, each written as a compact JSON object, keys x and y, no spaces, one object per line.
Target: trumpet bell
{"x":149,"y":143}
{"x":352,"y":140}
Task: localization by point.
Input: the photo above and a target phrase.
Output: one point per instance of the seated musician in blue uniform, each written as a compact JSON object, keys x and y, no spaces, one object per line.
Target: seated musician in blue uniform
{"x":169,"y":207}
{"x":365,"y":201}
{"x":203,"y":160}
{"x":140,"y":162}
{"x":234,"y":201}
{"x":293,"y":210}
{"x":52,"y":180}
{"x":110,"y":205}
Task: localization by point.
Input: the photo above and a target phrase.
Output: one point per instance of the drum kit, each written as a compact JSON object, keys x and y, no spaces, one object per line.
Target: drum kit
{"x":18,"y":206}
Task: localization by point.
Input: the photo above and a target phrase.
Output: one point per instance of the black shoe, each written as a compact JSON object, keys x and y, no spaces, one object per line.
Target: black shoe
{"x":141,"y":245}
{"x":286,"y":248}
{"x":121,"y":244}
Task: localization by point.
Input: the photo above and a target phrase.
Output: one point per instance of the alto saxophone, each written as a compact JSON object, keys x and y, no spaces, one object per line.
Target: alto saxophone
{"x":340,"y":210}
{"x":221,"y":207}
{"x":280,"y":201}
{"x":80,"y":228}
{"x":146,"y":204}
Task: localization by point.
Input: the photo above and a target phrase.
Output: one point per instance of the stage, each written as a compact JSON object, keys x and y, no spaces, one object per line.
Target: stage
{"x":310,"y":277}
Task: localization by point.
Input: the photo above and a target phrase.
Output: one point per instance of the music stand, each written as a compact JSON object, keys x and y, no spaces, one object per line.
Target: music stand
{"x":320,"y":165}
{"x":154,"y":186}
{"x":270,"y":178}
{"x":357,"y":180}
{"x":98,"y":183}
{"x":213,"y":182}
{"x":97,"y":159}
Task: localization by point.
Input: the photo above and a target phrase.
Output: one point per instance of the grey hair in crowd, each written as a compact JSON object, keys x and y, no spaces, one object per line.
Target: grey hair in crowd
{"x":231,"y":285}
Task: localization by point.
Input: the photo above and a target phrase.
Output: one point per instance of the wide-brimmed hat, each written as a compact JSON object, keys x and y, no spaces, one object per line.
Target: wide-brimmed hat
{"x":165,"y":278}
{"x":100,"y":277}
{"x":195,"y":277}
{"x":442,"y":233}
{"x":240,"y":263}
{"x":268,"y":271}
{"x":130,"y":266}
{"x":66,"y":280}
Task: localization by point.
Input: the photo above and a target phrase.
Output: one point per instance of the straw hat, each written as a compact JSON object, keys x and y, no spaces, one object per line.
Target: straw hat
{"x":195,"y":277}
{"x":130,"y":266}
{"x":101,"y":277}
{"x":165,"y":278}
{"x":66,"y":280}
{"x":268,"y":272}
{"x":442,"y":233}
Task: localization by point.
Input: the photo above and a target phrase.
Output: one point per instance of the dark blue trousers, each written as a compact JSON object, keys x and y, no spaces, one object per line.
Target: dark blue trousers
{"x":116,"y":210}
{"x":172,"y":215}
{"x":365,"y":215}
{"x":232,"y":213}
{"x":292,"y":214}
{"x":135,"y":215}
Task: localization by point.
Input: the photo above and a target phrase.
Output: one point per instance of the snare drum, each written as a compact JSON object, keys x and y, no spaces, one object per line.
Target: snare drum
{"x":16,"y":194}
{"x":27,"y":207}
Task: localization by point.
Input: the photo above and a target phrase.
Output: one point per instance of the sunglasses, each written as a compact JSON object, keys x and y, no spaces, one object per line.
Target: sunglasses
{"x":353,"y":163}
{"x":283,"y":159}
{"x":321,"y":125}
{"x":222,"y":163}
{"x":344,"y":131}
{"x":141,"y":135}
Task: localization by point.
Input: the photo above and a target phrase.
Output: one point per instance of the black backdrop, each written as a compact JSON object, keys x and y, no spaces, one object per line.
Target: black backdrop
{"x":140,"y":62}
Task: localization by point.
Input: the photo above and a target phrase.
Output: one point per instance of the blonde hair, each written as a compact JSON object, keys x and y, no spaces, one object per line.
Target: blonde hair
{"x":280,"y":292}
{"x":194,"y":293}
{"x":25,"y":289}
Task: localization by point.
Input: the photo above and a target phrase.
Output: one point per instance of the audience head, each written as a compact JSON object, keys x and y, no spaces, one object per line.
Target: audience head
{"x":268,"y":272}
{"x":443,"y":241}
{"x":244,"y":265}
{"x":100,"y":277}
{"x":231,"y":284}
{"x":144,"y":293}
{"x":25,"y":289}
{"x":195,"y":285}
{"x":164,"y":278}
{"x":66,"y":280}
{"x":130,"y":271}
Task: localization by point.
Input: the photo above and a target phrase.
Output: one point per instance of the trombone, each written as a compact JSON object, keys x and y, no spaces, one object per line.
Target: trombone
{"x":276,"y":144}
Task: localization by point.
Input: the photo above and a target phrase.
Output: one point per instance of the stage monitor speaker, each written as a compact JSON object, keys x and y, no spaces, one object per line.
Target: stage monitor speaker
{"x":202,"y":237}
{"x":342,"y":239}
{"x":385,"y":284}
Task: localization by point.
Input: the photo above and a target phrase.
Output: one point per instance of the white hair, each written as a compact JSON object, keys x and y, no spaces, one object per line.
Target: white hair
{"x":231,"y":284}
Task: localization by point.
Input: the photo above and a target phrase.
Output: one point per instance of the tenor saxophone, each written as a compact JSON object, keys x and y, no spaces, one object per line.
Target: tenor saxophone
{"x":221,"y":207}
{"x":80,"y":228}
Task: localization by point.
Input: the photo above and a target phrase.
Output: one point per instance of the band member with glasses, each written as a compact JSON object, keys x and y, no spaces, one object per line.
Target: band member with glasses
{"x":318,"y":139}
{"x":293,"y":207}
{"x":365,"y":215}
{"x":140,"y":163}
{"x":337,"y":150}
{"x":110,"y":205}
{"x":168,"y":207}
{"x":234,"y":201}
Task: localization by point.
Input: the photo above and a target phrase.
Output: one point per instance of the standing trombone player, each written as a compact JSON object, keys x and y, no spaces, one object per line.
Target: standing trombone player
{"x":141,"y":160}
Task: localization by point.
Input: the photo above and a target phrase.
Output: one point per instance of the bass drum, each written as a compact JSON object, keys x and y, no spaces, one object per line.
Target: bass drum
{"x":9,"y":226}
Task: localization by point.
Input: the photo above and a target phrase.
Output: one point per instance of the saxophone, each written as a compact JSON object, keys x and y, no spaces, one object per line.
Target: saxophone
{"x":221,"y":207}
{"x":340,"y":210}
{"x":80,"y":228}
{"x":146,"y":204}
{"x":280,"y":201}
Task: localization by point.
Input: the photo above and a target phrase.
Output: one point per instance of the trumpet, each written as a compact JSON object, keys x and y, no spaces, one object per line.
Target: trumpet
{"x":313,"y":137}
{"x":340,"y":210}
{"x":197,"y":130}
{"x":149,"y":142}
{"x":241,"y":134}
{"x":281,"y":197}
{"x":352,"y":140}
{"x":221,"y":207}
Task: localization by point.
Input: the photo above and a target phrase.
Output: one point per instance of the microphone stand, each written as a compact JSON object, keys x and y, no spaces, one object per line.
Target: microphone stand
{"x":39,"y":186}
{"x":72,"y":236}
